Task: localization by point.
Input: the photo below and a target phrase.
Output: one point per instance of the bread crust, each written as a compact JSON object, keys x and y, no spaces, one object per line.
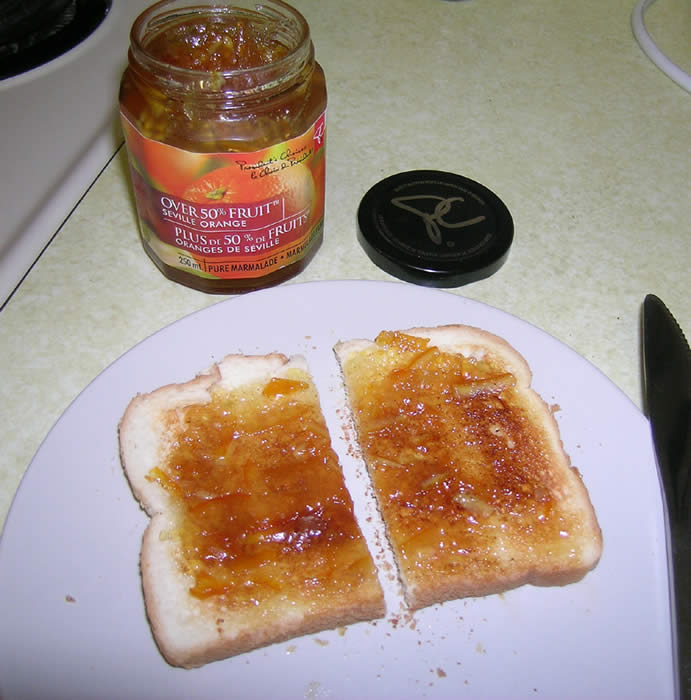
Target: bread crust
{"x":191,"y":632}
{"x":565,"y":485}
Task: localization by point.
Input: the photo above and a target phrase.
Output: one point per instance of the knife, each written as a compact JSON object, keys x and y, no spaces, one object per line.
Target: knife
{"x":667,"y":377}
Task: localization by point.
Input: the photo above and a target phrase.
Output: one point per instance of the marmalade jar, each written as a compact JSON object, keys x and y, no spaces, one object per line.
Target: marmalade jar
{"x":223,"y":110}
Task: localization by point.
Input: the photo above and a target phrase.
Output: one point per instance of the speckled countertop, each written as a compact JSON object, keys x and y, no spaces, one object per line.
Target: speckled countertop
{"x":552,"y":105}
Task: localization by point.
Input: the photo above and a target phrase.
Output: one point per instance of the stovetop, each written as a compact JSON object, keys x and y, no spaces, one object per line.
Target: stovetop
{"x":60,"y":129}
{"x":34,"y":32}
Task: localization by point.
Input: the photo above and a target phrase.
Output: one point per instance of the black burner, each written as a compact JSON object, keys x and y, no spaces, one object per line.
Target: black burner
{"x":33,"y":32}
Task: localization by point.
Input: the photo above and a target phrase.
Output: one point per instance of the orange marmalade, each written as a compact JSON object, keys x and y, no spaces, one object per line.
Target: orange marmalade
{"x":460,"y":472}
{"x":262,"y":506}
{"x":223,"y":111}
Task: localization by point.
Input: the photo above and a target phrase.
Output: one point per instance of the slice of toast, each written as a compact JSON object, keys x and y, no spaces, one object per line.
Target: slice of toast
{"x":252,"y":537}
{"x":474,"y":486}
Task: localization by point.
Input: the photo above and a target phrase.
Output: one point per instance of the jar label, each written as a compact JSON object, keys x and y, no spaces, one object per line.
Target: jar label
{"x":229,"y":215}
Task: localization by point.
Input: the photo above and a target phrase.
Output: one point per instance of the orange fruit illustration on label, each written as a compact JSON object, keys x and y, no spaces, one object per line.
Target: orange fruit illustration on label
{"x":171,"y":170}
{"x":167,"y":169}
{"x":292,"y":184}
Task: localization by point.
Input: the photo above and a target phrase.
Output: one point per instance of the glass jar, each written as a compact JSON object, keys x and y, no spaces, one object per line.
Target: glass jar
{"x":223,"y":109}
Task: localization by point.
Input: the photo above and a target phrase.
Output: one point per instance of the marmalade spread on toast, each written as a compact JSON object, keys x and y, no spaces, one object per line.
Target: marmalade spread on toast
{"x":262,"y":505}
{"x":461,"y":474}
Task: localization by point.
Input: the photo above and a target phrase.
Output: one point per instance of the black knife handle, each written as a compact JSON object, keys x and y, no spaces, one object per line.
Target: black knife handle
{"x":667,"y":375}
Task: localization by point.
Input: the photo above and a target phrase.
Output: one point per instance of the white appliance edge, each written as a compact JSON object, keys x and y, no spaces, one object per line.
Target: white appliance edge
{"x":60,"y":130}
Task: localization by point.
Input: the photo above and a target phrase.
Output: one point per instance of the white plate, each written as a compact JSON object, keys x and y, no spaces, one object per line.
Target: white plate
{"x":72,"y":622}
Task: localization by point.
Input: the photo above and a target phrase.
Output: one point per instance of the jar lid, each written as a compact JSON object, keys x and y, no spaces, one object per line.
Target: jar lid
{"x":434,"y":228}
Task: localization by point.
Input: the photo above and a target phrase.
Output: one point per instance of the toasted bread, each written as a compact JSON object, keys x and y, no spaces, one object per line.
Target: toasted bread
{"x":468,"y":467}
{"x":252,"y":537}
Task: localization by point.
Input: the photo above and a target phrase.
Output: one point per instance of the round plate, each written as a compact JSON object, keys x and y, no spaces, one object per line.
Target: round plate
{"x":71,"y":608}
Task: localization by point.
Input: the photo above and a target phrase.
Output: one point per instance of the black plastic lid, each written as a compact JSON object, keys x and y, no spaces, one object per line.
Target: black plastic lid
{"x":434,"y":228}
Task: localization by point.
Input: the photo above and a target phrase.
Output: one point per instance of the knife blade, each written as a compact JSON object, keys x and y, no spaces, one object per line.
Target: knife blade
{"x":667,"y":378}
